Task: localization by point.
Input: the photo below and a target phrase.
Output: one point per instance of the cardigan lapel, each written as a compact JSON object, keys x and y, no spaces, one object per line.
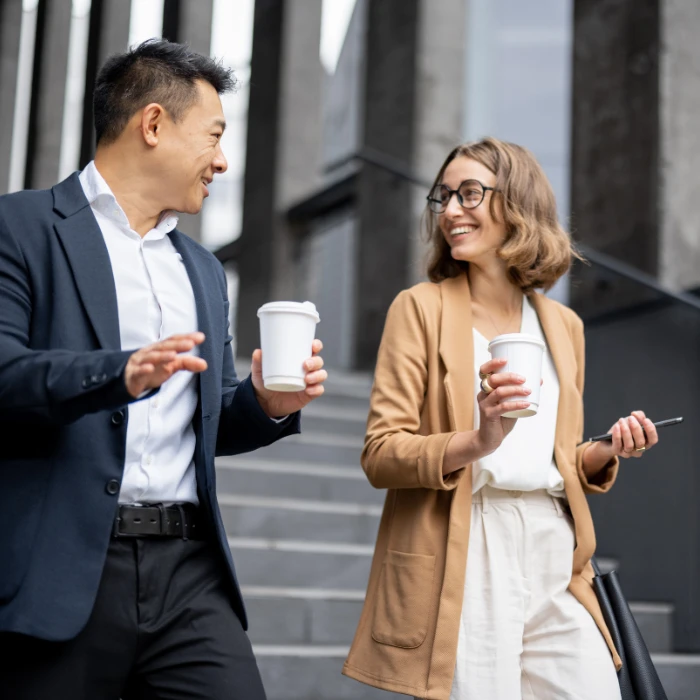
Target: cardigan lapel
{"x":560,"y":348}
{"x":560,"y":345}
{"x":457,"y":351}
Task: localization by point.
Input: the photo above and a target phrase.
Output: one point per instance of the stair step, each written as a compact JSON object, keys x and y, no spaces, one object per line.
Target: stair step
{"x":325,"y":417}
{"x":655,"y":622}
{"x":339,"y":382}
{"x":302,"y":616}
{"x":240,"y":475}
{"x":284,"y":562}
{"x":311,"y":673}
{"x":679,"y":674}
{"x":329,"y":616}
{"x":301,"y":519}
{"x":314,"y":447}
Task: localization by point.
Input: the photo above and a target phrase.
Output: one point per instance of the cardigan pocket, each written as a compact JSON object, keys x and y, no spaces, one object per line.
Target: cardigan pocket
{"x":403,"y":599}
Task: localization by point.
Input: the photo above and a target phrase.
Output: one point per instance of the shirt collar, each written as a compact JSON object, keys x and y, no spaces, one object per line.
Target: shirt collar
{"x":102,"y":199}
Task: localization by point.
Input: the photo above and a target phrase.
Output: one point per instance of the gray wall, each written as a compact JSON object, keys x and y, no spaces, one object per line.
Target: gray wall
{"x":650,"y":521}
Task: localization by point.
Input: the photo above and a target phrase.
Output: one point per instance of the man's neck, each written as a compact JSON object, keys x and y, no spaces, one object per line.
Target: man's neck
{"x":130,"y":191}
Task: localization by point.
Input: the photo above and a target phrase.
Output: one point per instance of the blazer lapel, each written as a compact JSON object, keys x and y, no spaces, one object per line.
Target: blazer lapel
{"x":457,"y":351}
{"x":207,"y":380}
{"x":87,"y":255}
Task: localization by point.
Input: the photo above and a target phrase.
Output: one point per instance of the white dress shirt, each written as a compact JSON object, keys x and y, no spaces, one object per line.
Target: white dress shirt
{"x":525,"y":459}
{"x":154,"y":300}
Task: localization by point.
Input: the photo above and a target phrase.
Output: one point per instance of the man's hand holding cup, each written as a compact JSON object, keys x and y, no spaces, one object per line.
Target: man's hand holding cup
{"x":284,"y":376}
{"x":277,"y":404}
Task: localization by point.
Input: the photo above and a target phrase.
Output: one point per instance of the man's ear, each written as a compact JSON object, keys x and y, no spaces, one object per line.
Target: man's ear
{"x":151,"y":124}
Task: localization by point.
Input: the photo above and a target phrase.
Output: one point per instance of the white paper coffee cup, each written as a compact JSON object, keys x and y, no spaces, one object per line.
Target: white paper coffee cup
{"x":524,"y":354}
{"x":287,"y":331}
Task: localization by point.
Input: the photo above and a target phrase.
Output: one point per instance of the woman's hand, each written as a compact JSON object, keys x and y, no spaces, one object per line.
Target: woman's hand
{"x":631,"y":437}
{"x":509,"y":394}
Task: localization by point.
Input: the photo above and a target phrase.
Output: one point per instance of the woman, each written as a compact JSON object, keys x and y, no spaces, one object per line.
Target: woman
{"x":518,"y":617}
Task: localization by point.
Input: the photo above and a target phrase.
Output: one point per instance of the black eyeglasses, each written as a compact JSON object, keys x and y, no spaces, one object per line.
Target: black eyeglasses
{"x":470,"y":194}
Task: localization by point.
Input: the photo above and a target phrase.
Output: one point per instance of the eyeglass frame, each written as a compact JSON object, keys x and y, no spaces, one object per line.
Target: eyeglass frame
{"x":484,"y":188}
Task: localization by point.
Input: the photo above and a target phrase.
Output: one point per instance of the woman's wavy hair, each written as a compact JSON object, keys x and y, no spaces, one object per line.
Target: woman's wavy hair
{"x":537,"y":250}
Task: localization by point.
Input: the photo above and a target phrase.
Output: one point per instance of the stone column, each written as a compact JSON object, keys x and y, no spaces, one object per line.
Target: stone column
{"x":189,"y":22}
{"x":109,"y":34}
{"x":439,"y":114}
{"x":384,"y":201}
{"x":282,"y":151}
{"x":10,"y":28}
{"x":636,"y":145}
{"x":679,"y":265}
{"x":48,"y":93}
{"x":615,"y":152}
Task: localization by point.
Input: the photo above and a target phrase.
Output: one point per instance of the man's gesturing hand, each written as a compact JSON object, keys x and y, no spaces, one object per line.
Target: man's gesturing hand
{"x":149,"y":367}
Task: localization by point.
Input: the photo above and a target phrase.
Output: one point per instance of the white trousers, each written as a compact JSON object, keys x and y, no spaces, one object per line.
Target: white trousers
{"x":522,"y":635}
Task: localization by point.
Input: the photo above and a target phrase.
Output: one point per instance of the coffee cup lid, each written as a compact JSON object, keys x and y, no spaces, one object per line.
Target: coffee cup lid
{"x":516,"y":338}
{"x":307,"y":308}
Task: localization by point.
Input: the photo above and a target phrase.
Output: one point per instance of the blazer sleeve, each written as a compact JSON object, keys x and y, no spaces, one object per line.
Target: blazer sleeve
{"x":603,"y":481}
{"x":395,"y":455}
{"x":243,"y":425}
{"x":59,"y":386}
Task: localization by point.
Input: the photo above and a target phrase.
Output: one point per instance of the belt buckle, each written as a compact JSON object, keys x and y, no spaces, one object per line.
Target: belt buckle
{"x":116,"y":531}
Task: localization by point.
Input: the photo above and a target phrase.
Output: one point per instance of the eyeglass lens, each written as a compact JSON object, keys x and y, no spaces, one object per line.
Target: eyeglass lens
{"x":469,"y":195}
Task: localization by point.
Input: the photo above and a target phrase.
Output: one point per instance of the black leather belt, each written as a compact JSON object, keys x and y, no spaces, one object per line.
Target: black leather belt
{"x":184,"y":520}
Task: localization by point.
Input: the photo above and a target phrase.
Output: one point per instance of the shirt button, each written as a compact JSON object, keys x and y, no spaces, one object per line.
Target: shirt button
{"x":516,"y":494}
{"x":112,"y":487}
{"x":149,"y":459}
{"x":155,"y":403}
{"x":117,"y":417}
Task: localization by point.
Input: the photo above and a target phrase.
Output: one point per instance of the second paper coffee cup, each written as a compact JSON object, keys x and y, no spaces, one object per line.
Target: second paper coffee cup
{"x":287,"y":331}
{"x":524,"y":354}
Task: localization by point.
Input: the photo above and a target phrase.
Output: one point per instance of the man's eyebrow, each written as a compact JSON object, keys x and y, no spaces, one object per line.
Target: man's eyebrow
{"x":221,"y":123}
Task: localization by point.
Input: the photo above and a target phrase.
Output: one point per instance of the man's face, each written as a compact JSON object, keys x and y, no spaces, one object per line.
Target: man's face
{"x":190,"y":153}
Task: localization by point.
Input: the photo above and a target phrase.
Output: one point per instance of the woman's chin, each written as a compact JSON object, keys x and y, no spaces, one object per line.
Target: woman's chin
{"x":460,"y":255}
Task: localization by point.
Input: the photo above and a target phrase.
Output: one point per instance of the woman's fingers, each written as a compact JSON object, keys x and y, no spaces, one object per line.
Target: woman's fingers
{"x":650,"y":430}
{"x":627,"y":437}
{"x":505,"y":378}
{"x":503,"y":400}
{"x":637,"y":432}
{"x":492,"y":366}
{"x":509,"y":392}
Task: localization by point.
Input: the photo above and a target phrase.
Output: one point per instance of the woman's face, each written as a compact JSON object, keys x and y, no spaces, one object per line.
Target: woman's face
{"x":472,"y":234}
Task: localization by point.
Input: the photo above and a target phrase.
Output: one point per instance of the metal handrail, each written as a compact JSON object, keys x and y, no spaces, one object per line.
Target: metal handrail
{"x":607,"y":262}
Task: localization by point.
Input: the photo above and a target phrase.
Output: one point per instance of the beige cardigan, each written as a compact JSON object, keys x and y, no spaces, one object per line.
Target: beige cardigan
{"x":423,"y":392}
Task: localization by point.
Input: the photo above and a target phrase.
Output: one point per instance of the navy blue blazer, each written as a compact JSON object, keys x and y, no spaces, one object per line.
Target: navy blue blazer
{"x":64,"y":407}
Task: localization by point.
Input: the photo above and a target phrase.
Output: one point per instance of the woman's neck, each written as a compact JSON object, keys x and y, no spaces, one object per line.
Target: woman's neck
{"x":491,"y":289}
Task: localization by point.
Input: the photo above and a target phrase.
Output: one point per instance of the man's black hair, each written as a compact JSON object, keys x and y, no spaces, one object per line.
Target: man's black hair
{"x":154,"y":71}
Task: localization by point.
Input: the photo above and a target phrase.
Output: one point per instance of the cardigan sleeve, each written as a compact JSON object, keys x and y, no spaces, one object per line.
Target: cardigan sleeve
{"x":602,"y":482}
{"x":394,"y":454}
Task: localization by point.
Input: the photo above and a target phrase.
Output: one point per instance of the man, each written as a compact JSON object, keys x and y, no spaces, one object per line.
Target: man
{"x":117,"y":389}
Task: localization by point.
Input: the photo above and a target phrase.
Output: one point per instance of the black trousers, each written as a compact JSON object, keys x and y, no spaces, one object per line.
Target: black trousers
{"x":162,"y":628}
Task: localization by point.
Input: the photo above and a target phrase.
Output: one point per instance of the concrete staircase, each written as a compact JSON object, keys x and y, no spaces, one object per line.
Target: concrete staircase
{"x":301,"y":520}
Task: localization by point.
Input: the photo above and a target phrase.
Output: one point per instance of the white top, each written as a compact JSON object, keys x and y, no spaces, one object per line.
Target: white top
{"x":525,"y":459}
{"x":155,"y":300}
